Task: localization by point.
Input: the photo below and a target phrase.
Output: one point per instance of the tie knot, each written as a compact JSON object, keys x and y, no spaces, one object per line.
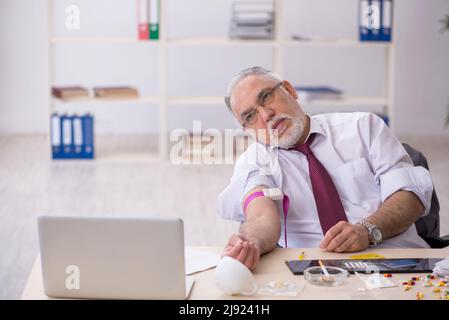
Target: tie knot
{"x":305,"y":147}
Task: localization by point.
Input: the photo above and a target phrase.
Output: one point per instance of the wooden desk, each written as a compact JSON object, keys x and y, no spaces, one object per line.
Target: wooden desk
{"x":272,"y":267}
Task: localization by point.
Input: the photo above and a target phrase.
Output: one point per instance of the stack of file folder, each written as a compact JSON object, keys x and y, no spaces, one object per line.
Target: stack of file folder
{"x":72,"y":136}
{"x":318,"y":93}
{"x":252,"y":20}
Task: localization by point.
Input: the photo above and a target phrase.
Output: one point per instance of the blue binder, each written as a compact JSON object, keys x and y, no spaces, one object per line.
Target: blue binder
{"x":78,"y":139}
{"x":364,"y":32}
{"x":66,"y":136}
{"x":88,"y":136}
{"x":387,"y":20}
{"x":55,"y":136}
{"x":375,"y":20}
{"x":370,"y":20}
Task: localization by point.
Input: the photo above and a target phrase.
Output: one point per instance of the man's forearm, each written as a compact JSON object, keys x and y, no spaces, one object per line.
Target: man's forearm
{"x":262,"y":225}
{"x":262,"y":232}
{"x":397,"y":213}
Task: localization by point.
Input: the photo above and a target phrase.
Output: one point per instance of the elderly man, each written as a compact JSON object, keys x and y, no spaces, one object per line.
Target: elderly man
{"x":347,"y":182}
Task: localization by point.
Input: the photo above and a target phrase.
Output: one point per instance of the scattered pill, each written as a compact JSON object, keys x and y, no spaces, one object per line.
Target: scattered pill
{"x":441,"y":284}
{"x":419,"y":296}
{"x":436,"y":290}
{"x":388,"y":275}
{"x":407,"y":287}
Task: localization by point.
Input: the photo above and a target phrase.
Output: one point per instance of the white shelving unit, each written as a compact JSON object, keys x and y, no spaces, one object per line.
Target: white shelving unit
{"x":279,"y":44}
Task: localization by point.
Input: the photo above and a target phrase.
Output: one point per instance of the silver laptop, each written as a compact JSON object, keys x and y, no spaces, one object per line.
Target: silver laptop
{"x":113,"y":258}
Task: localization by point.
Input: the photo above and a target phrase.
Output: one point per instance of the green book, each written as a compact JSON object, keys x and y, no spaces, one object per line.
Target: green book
{"x":154,"y":19}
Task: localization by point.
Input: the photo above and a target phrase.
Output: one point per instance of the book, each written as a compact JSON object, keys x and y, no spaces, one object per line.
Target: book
{"x":142,"y":20}
{"x":70,"y":93}
{"x":318,"y":92}
{"x":154,"y":20}
{"x":119,"y":92}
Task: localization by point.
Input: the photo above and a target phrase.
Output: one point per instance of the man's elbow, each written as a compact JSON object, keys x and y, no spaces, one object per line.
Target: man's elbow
{"x":417,"y":206}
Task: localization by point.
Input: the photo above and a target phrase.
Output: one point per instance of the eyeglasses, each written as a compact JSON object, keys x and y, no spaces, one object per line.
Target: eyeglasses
{"x":264,"y":98}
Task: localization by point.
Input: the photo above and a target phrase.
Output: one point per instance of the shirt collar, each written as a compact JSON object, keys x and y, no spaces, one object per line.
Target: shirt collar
{"x":315,"y":126}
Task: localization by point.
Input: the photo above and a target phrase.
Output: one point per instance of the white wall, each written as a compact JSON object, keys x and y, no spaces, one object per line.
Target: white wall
{"x":421,"y":78}
{"x":23,"y":66}
{"x":422,"y":67}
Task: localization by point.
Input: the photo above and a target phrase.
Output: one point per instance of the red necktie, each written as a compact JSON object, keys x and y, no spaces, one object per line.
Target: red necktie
{"x":328,"y":203}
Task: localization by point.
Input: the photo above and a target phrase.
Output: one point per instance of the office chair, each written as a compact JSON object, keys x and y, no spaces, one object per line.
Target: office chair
{"x":428,"y":227}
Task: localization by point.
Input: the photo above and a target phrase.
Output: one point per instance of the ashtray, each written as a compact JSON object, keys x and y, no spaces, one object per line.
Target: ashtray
{"x":316,"y":276}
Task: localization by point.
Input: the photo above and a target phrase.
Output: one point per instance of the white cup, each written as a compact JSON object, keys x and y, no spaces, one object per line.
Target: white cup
{"x":233,"y":277}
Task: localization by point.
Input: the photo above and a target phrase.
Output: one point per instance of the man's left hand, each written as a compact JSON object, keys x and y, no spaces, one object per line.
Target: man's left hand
{"x":345,"y":237}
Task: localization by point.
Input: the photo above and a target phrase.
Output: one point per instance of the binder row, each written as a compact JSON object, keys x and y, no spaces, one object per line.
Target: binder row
{"x":148,"y":17}
{"x":72,"y":136}
{"x":375,"y":20}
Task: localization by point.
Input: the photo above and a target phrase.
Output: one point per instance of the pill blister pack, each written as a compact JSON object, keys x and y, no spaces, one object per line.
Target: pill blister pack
{"x":356,"y":265}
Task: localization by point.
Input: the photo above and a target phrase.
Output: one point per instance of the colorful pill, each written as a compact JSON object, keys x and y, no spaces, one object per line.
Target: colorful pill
{"x":419,"y":296}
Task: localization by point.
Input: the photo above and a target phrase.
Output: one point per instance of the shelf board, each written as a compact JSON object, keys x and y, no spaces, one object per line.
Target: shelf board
{"x":197,"y":100}
{"x":104,"y":40}
{"x":344,"y":101}
{"x":347,"y":101}
{"x":218,"y":100}
{"x":142,"y":99}
{"x":338,"y":42}
{"x":129,"y":157}
{"x":223,"y":41}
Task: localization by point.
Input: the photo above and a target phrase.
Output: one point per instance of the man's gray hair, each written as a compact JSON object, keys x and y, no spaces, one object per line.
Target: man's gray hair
{"x":253,"y":71}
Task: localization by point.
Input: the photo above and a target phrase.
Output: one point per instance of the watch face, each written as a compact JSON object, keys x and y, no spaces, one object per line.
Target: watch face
{"x":377,"y":235}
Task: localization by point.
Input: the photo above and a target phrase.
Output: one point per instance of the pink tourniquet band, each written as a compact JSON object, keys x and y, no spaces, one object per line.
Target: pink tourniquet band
{"x":285,"y":205}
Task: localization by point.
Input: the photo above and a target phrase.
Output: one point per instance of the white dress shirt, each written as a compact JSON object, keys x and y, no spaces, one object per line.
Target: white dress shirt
{"x":365,"y":160}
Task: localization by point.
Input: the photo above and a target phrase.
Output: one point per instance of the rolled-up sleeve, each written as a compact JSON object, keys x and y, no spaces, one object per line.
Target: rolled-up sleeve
{"x":392,"y":166}
{"x":246,"y":176}
{"x":414,"y":179}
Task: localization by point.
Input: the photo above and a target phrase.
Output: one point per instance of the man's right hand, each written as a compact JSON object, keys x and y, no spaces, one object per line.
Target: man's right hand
{"x":243,"y":250}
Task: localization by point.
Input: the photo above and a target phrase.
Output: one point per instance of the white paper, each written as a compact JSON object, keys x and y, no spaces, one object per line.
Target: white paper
{"x":442,"y":267}
{"x":200,"y":260}
{"x":375,"y":281}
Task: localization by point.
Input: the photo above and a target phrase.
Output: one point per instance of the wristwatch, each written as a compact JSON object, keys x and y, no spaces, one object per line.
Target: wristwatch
{"x":374,"y":233}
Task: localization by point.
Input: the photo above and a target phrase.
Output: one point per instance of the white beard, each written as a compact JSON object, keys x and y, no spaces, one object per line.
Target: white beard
{"x":290,"y":137}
